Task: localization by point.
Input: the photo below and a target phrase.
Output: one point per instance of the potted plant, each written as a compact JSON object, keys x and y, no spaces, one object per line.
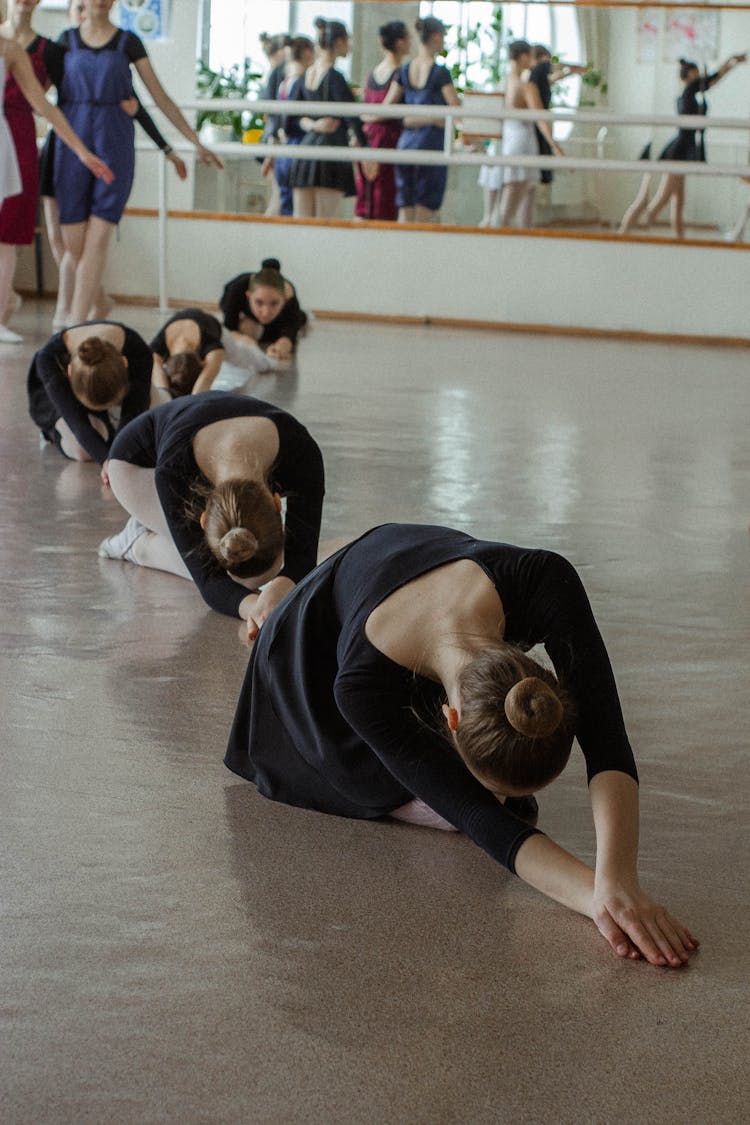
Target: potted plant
{"x":217,"y":125}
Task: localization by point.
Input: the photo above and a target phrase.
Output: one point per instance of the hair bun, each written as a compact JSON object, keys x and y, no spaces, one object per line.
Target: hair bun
{"x":237,"y":546}
{"x":532,"y":708}
{"x":320,"y":23}
{"x":271,"y":264}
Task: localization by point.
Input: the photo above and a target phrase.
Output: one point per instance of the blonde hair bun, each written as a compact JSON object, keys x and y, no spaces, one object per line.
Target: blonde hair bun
{"x":237,"y":546}
{"x":533,"y":708}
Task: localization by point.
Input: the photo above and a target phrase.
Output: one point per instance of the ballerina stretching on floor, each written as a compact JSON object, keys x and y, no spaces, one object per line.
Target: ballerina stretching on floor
{"x":395,"y":681}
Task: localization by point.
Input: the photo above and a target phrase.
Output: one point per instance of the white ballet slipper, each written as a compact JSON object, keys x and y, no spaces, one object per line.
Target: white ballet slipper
{"x":9,"y":337}
{"x":120,"y":546}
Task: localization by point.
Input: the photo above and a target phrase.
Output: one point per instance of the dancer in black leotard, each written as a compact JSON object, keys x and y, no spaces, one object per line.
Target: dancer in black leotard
{"x":341,"y":711}
{"x":263,"y":307}
{"x":86,"y":383}
{"x":188,"y":352}
{"x":202,"y":478}
{"x":686,"y":145}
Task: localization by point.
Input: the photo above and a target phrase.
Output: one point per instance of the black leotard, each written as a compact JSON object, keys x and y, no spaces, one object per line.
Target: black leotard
{"x":51,"y":395}
{"x":210,"y":331}
{"x":688,"y":144}
{"x":326,"y":721}
{"x":162,"y":439}
{"x":234,"y":303}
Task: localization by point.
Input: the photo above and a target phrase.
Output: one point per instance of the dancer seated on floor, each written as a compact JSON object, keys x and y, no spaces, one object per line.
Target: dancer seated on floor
{"x":263,"y":307}
{"x":86,"y":383}
{"x":395,"y":681}
{"x":202,"y":478}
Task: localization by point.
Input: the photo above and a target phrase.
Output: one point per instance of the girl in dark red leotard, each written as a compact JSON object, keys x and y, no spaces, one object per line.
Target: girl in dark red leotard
{"x":376,"y":183}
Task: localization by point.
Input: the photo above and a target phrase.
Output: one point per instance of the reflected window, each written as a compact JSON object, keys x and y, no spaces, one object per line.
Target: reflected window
{"x":234,"y":29}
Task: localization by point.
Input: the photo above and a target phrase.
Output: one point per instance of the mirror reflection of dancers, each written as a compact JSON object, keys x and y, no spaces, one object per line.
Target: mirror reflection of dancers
{"x":320,"y":186}
{"x":376,"y":182}
{"x":261,"y":308}
{"x":66,"y":267}
{"x":85,"y":384}
{"x":23,"y":77}
{"x":394,"y":681}
{"x":420,"y":188}
{"x":96,"y":80}
{"x":202,"y":478}
{"x":285,"y":129}
{"x":516,"y":203}
{"x":688,"y":144}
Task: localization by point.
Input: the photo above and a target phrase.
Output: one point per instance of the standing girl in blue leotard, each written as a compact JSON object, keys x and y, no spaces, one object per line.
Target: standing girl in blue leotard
{"x":96,"y":81}
{"x":420,"y":187}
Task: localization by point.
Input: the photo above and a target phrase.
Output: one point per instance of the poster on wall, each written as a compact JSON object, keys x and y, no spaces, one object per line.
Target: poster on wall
{"x":691,"y":33}
{"x":649,"y":34}
{"x":146,"y":18}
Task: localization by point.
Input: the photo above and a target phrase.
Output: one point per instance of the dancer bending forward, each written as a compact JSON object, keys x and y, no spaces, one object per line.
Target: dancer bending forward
{"x":87,"y":382}
{"x":202,"y":478}
{"x":395,"y":681}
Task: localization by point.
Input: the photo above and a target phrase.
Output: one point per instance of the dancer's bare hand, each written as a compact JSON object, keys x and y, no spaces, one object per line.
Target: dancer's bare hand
{"x":98,"y":168}
{"x":635,"y":926}
{"x":267,"y":166}
{"x":207,"y":157}
{"x":130,"y":105}
{"x":281,"y":348}
{"x":104,"y":473}
{"x":327,"y":125}
{"x":180,"y":166}
{"x":267,"y":601}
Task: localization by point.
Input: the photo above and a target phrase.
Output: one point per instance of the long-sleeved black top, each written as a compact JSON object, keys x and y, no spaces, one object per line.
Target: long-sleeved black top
{"x":162,"y":439}
{"x":234,"y":303}
{"x":51,"y":395}
{"x":327,"y":721}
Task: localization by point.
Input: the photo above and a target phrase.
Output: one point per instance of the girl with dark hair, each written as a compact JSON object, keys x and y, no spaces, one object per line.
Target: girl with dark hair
{"x":686,"y":145}
{"x":262,"y":308}
{"x":319,"y":186}
{"x":85,"y":384}
{"x":202,"y":478}
{"x":376,"y":183}
{"x":412,"y":626}
{"x":420,"y":188}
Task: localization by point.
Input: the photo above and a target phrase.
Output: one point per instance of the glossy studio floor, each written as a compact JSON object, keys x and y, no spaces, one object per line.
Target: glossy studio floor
{"x":177,"y":949}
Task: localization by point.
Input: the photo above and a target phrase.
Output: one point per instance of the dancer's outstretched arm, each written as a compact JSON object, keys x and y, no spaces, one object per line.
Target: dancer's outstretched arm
{"x":172,"y":112}
{"x":611,"y":896}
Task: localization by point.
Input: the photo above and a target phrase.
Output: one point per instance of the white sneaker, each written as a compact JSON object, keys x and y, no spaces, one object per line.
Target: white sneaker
{"x":8,"y":337}
{"x":119,"y":546}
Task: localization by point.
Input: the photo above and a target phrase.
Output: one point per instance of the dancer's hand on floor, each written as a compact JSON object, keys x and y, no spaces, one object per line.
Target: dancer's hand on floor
{"x":635,"y":926}
{"x":266,"y":602}
{"x":281,"y":349}
{"x":104,"y":473}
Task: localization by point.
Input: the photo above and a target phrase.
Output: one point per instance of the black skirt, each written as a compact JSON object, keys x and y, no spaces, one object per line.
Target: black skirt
{"x":324,"y":173}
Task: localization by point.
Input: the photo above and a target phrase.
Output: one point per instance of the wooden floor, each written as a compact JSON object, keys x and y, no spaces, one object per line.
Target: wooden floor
{"x":174,"y":948}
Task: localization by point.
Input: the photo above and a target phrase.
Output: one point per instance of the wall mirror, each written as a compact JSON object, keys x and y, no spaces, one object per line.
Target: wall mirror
{"x":632,"y":52}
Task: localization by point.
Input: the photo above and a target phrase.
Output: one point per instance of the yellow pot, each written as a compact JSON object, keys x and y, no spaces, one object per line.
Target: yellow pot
{"x":252,"y":136}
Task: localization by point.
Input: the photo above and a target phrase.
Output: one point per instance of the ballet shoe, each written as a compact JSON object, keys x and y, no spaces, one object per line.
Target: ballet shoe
{"x":9,"y":337}
{"x":525,"y":808}
{"x":119,"y":546}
